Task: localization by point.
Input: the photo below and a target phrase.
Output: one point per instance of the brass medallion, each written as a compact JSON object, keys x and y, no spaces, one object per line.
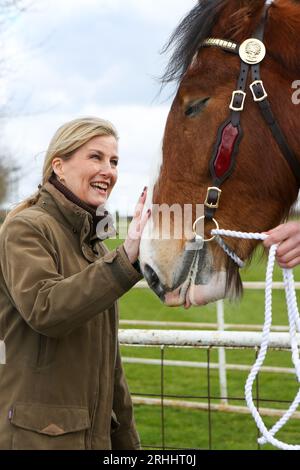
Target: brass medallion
{"x":252,"y":51}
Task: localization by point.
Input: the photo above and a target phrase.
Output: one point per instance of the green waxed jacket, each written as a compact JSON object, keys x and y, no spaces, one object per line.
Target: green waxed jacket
{"x":62,"y":385}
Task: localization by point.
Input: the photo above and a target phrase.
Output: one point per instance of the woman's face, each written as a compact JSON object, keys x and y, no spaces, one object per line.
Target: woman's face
{"x":91,"y":172}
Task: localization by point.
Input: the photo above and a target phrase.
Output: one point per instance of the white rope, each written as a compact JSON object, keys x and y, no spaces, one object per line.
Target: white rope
{"x":229,"y":252}
{"x":268,"y":436}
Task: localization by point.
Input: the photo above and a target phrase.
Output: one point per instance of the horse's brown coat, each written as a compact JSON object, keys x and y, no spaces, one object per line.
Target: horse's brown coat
{"x":262,"y":189}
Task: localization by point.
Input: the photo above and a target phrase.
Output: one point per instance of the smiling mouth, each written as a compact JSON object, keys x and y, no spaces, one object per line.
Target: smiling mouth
{"x":100,"y":188}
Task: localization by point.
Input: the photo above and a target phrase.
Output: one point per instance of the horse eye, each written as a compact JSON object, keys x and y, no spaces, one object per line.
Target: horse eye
{"x":196,"y":107}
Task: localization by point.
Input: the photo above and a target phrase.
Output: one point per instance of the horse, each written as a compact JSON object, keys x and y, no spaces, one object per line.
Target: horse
{"x":231,"y":143}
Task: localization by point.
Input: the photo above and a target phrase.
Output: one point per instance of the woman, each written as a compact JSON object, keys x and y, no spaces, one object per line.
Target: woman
{"x":62,"y":385}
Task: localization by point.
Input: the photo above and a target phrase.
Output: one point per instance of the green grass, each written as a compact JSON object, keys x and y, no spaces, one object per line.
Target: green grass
{"x":189,"y":428}
{"x":183,"y":427}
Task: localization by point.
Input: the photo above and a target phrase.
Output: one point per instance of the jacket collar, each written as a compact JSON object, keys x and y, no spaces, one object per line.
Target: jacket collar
{"x":65,"y":211}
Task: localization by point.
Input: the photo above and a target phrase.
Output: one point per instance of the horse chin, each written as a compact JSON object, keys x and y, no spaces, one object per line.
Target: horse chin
{"x":190,"y":294}
{"x":204,"y":294}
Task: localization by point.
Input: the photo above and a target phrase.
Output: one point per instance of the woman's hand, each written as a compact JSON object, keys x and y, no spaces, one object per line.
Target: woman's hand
{"x":288,"y":238}
{"x":135,"y":231}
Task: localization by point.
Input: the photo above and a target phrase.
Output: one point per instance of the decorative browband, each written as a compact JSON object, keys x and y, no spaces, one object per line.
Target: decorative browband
{"x":252,"y":51}
{"x":228,"y":45}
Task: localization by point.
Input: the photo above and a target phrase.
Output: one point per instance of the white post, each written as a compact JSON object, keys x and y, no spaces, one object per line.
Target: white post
{"x":222,"y":355}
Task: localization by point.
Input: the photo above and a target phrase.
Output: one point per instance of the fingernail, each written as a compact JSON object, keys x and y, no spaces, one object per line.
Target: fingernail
{"x":149,"y":212}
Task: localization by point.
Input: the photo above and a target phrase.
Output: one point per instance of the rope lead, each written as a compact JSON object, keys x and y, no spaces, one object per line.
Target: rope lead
{"x":268,"y":436}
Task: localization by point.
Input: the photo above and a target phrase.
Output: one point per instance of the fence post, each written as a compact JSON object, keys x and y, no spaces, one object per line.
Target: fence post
{"x":222,"y":355}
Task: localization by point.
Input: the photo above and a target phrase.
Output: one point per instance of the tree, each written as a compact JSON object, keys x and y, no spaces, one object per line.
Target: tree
{"x":8,"y":9}
{"x":4,"y":174}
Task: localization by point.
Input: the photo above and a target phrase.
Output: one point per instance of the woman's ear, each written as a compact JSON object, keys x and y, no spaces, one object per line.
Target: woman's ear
{"x":58,"y":168}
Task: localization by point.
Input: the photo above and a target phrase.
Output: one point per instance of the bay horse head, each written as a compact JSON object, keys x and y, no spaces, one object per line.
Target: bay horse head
{"x":230,"y":144}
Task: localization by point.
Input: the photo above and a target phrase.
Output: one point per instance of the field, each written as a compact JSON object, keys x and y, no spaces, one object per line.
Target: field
{"x":190,"y":428}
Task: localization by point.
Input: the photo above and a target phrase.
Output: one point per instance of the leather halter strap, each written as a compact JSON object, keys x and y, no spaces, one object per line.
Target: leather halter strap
{"x":230,"y":133}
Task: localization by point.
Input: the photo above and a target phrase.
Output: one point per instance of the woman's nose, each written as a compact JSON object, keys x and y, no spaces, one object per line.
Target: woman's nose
{"x":106,"y":170}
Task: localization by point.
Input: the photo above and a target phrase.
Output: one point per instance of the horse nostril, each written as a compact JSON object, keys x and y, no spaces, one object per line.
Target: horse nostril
{"x":152,"y":277}
{"x":154,"y":282}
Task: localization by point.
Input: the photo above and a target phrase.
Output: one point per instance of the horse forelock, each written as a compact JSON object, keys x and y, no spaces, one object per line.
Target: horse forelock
{"x":234,"y":20}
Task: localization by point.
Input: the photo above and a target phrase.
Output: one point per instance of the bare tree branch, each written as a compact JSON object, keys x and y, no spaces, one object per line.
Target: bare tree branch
{"x":9,"y":9}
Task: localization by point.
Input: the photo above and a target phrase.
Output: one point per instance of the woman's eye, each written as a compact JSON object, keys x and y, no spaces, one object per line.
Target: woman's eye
{"x":114,"y":162}
{"x":193,"y":109}
{"x":95,"y":156}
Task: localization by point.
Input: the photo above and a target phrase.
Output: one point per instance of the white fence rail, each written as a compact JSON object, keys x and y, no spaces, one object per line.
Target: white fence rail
{"x":196,"y":325}
{"x":203,"y":365}
{"x":204,"y":339}
{"x":224,"y":408}
{"x":245,"y":337}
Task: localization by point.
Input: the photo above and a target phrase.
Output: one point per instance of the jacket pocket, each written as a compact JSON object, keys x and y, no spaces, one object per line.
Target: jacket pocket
{"x":48,"y":427}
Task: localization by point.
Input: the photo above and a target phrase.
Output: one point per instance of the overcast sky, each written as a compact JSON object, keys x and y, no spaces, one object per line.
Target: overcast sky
{"x":71,"y":58}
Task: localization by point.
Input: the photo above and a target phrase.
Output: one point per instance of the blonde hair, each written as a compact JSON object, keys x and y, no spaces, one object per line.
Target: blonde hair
{"x":67,"y":139}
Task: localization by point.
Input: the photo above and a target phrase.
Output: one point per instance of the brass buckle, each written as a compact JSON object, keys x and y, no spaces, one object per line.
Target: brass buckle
{"x":207,"y":240}
{"x":265,"y":95}
{"x":216,"y":205}
{"x":235,"y":108}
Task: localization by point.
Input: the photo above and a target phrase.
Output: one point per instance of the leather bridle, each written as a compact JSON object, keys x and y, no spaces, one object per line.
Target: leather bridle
{"x":251,"y":52}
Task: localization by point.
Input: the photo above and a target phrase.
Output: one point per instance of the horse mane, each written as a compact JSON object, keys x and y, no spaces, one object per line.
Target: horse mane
{"x":235,"y":20}
{"x":190,"y":32}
